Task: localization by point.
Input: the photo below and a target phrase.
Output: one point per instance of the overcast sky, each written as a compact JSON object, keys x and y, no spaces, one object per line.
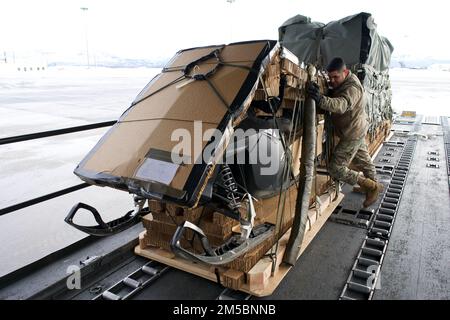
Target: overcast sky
{"x":152,"y":29}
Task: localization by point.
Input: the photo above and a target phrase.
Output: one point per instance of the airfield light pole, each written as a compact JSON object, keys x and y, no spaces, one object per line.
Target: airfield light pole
{"x":231,"y":19}
{"x":84,"y":9}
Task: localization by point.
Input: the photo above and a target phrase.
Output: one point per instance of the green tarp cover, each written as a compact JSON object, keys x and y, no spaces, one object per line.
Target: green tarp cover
{"x":353,"y":38}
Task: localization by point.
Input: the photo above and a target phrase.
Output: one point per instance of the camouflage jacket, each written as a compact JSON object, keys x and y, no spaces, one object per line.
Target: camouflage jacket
{"x":347,"y":105}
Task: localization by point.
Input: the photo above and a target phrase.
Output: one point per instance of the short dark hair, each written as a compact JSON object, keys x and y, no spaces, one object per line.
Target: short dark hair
{"x":337,"y":64}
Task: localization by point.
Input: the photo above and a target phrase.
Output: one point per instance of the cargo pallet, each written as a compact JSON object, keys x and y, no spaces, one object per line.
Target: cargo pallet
{"x":259,"y":281}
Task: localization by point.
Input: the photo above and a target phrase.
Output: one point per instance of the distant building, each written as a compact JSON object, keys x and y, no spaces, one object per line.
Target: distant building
{"x":9,"y":61}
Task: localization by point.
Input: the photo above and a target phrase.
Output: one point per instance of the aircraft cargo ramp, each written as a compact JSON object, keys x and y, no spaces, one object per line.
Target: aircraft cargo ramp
{"x":404,"y":237}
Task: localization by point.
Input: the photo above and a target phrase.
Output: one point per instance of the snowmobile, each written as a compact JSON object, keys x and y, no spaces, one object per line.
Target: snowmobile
{"x":256,"y":87}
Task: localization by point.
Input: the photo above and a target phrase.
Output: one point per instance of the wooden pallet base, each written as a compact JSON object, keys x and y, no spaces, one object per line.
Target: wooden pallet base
{"x":259,"y":281}
{"x":380,"y":135}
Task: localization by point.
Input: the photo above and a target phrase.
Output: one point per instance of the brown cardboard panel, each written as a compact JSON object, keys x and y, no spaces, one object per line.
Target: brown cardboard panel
{"x":126,"y":147}
{"x":180,"y":178}
{"x":177,"y":214}
{"x":293,"y":94}
{"x":233,"y":279}
{"x":243,"y":51}
{"x":155,"y":207}
{"x":260,"y":94}
{"x":195,"y":100}
{"x":157,"y":83}
{"x":191,"y":100}
{"x":269,"y":210}
{"x":292,"y":81}
{"x":183,"y":58}
{"x":290,"y":67}
{"x":231,"y":53}
{"x":271,"y":77}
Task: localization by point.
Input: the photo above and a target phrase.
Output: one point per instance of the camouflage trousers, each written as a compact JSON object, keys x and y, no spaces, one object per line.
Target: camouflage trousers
{"x":348,"y":155}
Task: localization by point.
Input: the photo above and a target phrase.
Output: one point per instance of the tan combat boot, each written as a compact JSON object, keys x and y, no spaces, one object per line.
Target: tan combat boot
{"x":373,"y":190}
{"x":359,"y":189}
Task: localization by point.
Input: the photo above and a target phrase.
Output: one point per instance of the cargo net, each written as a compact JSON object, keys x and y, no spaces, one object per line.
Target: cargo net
{"x":378,"y":95}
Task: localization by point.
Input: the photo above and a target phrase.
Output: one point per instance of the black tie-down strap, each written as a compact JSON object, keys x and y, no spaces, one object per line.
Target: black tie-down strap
{"x":186,"y":74}
{"x":104,"y":228}
{"x":227,"y":252}
{"x":215,"y":54}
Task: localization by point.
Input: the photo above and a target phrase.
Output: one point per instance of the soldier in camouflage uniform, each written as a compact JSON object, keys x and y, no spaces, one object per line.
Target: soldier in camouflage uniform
{"x":346,"y":104}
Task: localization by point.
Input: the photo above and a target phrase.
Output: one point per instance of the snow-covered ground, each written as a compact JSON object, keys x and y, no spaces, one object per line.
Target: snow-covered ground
{"x":425,"y":91}
{"x":52,"y":99}
{"x":58,"y":98}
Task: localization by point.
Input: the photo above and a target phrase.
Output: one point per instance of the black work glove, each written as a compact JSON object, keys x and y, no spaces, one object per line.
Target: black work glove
{"x":314,"y":92}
